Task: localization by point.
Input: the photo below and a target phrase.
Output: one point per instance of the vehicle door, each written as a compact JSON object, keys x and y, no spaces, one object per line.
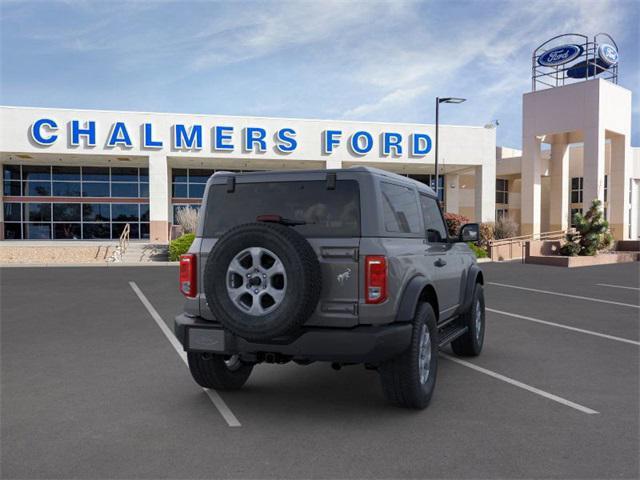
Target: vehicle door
{"x":445,"y":268}
{"x":329,"y":219}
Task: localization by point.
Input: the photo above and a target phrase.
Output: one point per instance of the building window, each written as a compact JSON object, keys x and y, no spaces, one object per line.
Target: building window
{"x":63,"y":181}
{"x":66,"y":214}
{"x":189,"y":182}
{"x":74,"y":221}
{"x":576,"y":190}
{"x":606,"y":187}
{"x":430,"y":180}
{"x":179,"y":206}
{"x":502,"y":213}
{"x":502,"y":190}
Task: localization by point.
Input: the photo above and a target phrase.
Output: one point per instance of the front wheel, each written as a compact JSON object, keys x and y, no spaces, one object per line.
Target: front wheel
{"x":470,"y":344}
{"x":220,"y":372}
{"x":409,"y":379}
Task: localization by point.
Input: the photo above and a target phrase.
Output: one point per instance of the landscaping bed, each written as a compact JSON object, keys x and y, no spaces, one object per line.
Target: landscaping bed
{"x":584,"y":261}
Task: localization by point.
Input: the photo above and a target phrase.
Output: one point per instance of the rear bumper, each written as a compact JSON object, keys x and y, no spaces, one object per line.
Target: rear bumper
{"x":363,"y":344}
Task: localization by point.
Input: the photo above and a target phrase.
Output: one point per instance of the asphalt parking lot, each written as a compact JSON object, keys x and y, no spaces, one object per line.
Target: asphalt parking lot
{"x":93,"y":388}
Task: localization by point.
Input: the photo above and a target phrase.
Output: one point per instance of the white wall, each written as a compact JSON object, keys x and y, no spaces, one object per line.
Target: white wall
{"x":458,"y":145}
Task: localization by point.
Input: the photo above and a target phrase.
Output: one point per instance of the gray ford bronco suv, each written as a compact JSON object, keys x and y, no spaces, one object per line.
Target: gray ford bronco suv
{"x":344,"y":266}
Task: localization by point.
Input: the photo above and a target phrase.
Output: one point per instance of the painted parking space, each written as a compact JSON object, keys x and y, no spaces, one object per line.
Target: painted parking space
{"x":571,"y":281}
{"x":115,"y":387}
{"x":607,"y":319}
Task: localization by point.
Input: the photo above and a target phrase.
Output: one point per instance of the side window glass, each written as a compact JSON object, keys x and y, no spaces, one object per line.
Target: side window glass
{"x":433,"y":223}
{"x":400,"y":209}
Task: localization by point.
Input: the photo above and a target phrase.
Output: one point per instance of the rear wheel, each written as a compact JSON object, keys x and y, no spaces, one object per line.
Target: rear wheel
{"x":220,"y":372}
{"x":470,"y":344}
{"x":409,"y":379}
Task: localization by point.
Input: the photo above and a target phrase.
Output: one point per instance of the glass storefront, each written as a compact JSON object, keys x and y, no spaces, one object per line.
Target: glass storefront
{"x":63,"y":213}
{"x":74,"y":221}
{"x":189,"y":183}
{"x":59,"y":181}
{"x":430,"y":180}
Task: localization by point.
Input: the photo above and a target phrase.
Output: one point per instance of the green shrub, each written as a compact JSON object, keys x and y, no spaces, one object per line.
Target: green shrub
{"x":180,"y":246}
{"x":479,"y":251}
{"x":592,"y":233}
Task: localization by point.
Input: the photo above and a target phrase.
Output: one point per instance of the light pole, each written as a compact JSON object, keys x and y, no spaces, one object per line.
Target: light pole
{"x":438,"y":102}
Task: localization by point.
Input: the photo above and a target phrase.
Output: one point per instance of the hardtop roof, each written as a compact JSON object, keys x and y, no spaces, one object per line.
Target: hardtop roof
{"x":358,"y":169}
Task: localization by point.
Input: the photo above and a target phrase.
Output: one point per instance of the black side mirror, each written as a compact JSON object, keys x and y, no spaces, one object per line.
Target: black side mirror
{"x":469,"y":232}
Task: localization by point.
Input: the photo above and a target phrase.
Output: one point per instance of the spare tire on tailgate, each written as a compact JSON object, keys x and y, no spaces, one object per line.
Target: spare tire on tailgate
{"x":262,"y":280}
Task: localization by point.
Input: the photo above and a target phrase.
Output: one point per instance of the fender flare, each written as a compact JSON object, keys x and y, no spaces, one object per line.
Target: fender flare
{"x":409,"y":300}
{"x":474,"y":276}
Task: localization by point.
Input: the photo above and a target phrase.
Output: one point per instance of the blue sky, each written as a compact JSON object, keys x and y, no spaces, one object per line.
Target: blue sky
{"x":367,"y":60}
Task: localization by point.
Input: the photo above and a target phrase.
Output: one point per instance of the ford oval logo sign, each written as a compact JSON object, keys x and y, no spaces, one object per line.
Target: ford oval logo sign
{"x":560,"y":55}
{"x":608,"y":54}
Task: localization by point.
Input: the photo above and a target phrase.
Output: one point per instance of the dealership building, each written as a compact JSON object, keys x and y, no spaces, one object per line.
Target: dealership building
{"x":85,"y":174}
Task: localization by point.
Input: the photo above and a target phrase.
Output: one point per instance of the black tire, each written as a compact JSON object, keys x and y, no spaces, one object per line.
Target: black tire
{"x":301,"y":290}
{"x":470,"y":344}
{"x":400,"y":376}
{"x":211,"y":371}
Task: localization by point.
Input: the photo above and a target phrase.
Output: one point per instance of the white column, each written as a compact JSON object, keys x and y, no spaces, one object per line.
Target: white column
{"x":593,"y":166}
{"x":618,"y":188}
{"x":485,"y":191}
{"x":159,"y":198}
{"x":559,"y":205}
{"x":531,"y":188}
{"x":452,"y":192}
{"x":333,"y":163}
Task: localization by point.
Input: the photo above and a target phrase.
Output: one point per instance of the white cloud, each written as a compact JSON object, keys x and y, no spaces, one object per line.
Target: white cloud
{"x":489,"y":55}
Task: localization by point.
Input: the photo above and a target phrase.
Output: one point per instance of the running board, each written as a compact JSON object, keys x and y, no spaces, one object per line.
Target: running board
{"x":450,"y":334}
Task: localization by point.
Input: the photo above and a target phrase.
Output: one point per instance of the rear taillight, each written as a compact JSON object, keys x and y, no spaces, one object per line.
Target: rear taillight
{"x":375,"y":279}
{"x":188,"y":270}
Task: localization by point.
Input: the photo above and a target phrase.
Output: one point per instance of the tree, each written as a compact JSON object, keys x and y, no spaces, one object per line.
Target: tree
{"x":591,"y":235}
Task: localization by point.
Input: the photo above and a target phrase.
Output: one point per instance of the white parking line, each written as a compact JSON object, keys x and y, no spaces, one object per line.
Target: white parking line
{"x":566,"y":327}
{"x":216,"y":399}
{"x":616,"y":286}
{"x":524,"y":386}
{"x":590,"y":299}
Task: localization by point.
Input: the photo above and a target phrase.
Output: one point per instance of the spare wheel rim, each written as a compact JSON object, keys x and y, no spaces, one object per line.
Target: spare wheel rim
{"x":256,"y":281}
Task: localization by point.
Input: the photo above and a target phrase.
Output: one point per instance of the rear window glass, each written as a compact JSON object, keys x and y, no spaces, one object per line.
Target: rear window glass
{"x":326,"y":213}
{"x":400,"y":209}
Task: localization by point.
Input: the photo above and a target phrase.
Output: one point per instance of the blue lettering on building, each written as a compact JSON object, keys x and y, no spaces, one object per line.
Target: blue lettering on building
{"x":147,"y":137}
{"x":119,"y":136}
{"x":390,"y":141}
{"x":38,"y":136}
{"x":286,"y":141}
{"x":187,"y":138}
{"x":44,"y":132}
{"x":255,"y":136}
{"x":361,"y":142}
{"x":89,"y":132}
{"x":420,"y":144}
{"x":330,"y":139}
{"x":222,"y":136}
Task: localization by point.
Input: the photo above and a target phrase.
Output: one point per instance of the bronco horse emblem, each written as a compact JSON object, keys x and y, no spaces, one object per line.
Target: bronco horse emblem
{"x":344,"y":276}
